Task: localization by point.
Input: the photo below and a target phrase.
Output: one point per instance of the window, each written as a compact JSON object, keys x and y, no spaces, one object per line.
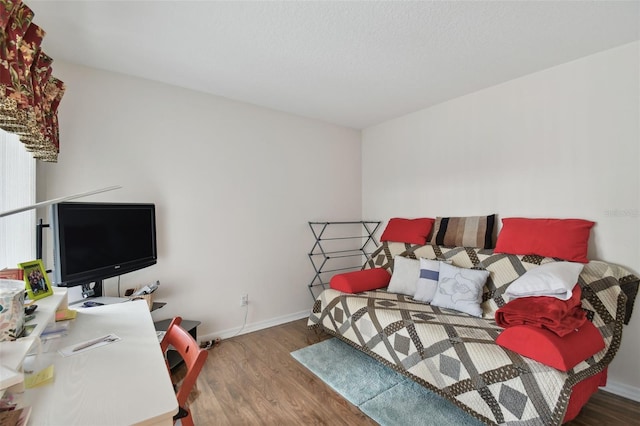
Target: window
{"x":17,"y":189}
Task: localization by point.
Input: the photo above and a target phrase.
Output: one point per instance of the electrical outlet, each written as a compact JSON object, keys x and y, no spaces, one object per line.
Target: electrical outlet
{"x":244,"y":300}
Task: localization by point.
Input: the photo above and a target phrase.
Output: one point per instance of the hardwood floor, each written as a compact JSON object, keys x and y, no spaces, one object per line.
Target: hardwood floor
{"x":252,"y":380}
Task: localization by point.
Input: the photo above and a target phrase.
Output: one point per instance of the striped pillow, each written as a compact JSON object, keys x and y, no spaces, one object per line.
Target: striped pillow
{"x":470,"y":231}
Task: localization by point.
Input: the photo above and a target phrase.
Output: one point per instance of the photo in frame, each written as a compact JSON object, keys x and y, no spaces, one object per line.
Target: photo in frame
{"x":36,"y":279}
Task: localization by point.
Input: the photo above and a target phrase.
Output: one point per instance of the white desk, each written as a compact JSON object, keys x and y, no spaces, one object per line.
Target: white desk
{"x":122,"y":383}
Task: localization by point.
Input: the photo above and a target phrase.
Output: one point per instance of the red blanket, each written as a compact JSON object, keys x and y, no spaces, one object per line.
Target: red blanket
{"x":560,"y":316}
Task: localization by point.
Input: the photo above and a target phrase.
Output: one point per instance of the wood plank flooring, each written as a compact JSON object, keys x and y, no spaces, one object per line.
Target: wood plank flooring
{"x":252,"y":380}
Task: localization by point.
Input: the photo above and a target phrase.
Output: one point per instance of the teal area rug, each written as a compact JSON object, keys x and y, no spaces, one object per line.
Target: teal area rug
{"x":386,"y":396}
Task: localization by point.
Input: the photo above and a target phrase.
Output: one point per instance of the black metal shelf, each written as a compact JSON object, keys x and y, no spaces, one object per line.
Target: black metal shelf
{"x":321,"y":256}
{"x":190,"y":326}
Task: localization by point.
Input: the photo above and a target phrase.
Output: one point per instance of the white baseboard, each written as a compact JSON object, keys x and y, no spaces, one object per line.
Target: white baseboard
{"x":225,"y":334}
{"x":625,"y":391}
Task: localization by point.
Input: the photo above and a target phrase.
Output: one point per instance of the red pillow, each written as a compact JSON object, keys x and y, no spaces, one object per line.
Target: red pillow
{"x":566,"y":239}
{"x":548,"y":348}
{"x":411,"y":231}
{"x":359,"y":281}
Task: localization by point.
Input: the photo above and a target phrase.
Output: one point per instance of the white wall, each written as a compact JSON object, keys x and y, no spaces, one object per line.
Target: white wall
{"x":563,"y":142}
{"x":234,"y":187}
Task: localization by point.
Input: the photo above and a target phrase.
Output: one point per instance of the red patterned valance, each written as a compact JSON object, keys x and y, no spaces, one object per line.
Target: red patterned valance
{"x":29,"y":94}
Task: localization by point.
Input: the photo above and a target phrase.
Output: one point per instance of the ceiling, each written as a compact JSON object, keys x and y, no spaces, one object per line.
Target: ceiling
{"x":354,"y":64}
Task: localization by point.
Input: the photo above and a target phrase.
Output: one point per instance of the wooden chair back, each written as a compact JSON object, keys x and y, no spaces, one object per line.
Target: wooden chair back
{"x":194,"y":357}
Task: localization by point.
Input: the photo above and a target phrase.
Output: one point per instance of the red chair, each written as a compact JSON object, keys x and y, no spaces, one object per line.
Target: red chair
{"x":194,"y":359}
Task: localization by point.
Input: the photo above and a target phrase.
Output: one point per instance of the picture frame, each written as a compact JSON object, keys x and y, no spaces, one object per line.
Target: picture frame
{"x":36,"y":279}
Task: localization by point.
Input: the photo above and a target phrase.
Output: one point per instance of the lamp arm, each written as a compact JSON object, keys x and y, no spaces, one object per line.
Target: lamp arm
{"x":57,"y":200}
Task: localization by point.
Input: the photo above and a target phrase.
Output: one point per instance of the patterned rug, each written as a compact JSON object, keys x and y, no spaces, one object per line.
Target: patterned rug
{"x":387,"y":397}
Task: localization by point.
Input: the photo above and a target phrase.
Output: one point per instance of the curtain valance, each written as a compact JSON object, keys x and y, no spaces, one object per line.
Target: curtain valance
{"x":29,"y":94}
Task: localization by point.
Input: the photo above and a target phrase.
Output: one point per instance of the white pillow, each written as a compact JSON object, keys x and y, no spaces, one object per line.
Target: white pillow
{"x":554,"y":279}
{"x":405,"y":275}
{"x":428,"y":280}
{"x":460,"y":289}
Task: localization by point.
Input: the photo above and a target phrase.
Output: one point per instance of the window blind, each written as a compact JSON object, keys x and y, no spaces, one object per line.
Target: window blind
{"x":17,"y":189}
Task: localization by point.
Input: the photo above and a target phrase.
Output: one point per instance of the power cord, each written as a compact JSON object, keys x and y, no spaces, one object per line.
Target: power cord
{"x":208,"y":344}
{"x":244,"y":322}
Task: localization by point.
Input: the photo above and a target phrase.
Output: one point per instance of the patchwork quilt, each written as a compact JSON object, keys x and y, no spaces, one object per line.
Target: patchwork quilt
{"x":455,"y":354}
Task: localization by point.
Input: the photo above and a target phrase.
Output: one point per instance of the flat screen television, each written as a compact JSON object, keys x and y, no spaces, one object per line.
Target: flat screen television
{"x":96,"y":241}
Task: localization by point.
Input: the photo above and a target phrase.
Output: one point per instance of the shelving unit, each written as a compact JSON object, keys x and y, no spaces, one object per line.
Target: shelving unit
{"x":339,"y":247}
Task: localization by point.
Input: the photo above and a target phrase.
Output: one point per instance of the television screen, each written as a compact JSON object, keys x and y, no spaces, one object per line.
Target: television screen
{"x":95,"y":241}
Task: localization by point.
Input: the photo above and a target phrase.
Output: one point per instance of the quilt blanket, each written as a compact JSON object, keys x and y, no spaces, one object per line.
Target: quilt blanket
{"x":455,"y":355}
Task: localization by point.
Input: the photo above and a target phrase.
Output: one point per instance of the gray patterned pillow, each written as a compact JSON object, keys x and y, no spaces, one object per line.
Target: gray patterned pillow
{"x":469,"y":231}
{"x":460,"y":289}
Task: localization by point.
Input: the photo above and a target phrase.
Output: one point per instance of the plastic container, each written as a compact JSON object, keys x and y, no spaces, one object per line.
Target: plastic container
{"x":11,"y":309}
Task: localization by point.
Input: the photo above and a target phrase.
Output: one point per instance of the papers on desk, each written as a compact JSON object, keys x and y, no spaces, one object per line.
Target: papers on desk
{"x":40,"y":378}
{"x":55,"y":330}
{"x":66,"y":314}
{"x":88,"y":345}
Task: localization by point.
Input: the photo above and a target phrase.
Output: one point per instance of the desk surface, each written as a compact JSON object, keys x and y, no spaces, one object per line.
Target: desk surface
{"x":122,"y":383}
